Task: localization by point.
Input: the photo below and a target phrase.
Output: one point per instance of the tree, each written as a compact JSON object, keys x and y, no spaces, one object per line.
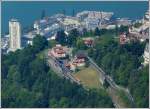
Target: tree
{"x":39,"y":43}
{"x":123,"y":29}
{"x":106,"y":61}
{"x":64,"y":103}
{"x":137,"y":25}
{"x":135,"y":47}
{"x":53,"y":103}
{"x":51,"y":43}
{"x":138,"y":85}
{"x":61,"y":37}
{"x":106,"y":84}
{"x":84,"y":32}
{"x":13,"y":75}
{"x":72,"y":38}
{"x":80,"y":44}
{"x":117,"y":30}
{"x":97,"y":31}
{"x":103,"y":31}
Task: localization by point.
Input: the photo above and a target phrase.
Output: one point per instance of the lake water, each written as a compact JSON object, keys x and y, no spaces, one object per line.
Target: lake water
{"x":28,"y":12}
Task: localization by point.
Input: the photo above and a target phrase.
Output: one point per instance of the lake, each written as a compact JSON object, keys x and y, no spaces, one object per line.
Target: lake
{"x":29,"y":11}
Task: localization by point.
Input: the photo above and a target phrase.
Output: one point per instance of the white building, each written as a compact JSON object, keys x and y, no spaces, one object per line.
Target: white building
{"x":70,"y":23}
{"x":91,"y":23}
{"x":15,"y":34}
{"x":146,"y":54}
{"x":123,"y":21}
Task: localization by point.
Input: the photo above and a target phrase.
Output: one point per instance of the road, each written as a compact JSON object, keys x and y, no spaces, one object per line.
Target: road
{"x":111,"y":82}
{"x":61,"y":69}
{"x":66,"y":72}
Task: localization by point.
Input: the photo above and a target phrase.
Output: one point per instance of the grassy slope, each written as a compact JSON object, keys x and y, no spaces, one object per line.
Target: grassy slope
{"x":89,"y":78}
{"x":119,"y":97}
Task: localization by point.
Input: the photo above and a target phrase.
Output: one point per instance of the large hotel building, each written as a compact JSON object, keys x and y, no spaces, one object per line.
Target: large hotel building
{"x":15,"y":34}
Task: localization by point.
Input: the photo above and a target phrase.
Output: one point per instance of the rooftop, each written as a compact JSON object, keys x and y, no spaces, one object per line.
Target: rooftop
{"x":13,"y":20}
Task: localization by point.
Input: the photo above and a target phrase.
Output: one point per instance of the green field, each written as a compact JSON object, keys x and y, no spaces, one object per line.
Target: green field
{"x":89,"y":78}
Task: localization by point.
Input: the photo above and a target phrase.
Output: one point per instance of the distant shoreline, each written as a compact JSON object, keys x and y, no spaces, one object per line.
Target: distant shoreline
{"x":28,"y":12}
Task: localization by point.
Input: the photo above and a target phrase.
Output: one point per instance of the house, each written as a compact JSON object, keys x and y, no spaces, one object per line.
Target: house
{"x":78,"y":61}
{"x":88,"y":41}
{"x":123,"y":38}
{"x":58,"y":51}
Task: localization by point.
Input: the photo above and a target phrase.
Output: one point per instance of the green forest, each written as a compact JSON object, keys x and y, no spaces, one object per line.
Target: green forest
{"x":123,"y":63}
{"x":28,"y":82}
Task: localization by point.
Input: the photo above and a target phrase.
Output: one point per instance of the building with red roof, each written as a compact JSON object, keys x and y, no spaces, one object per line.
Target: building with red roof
{"x":88,"y":42}
{"x":123,"y":38}
{"x":58,"y":51}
